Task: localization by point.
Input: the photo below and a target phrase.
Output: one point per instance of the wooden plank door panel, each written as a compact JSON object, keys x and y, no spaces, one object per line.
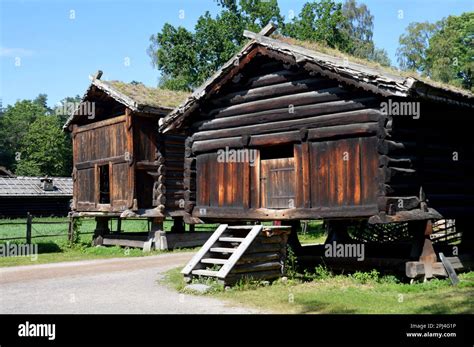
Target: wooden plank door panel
{"x":278,"y":183}
{"x":119,"y":197}
{"x":85,"y":193}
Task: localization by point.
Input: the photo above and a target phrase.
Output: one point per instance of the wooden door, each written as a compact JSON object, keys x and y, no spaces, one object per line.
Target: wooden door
{"x":278,"y":183}
{"x":102,"y":170}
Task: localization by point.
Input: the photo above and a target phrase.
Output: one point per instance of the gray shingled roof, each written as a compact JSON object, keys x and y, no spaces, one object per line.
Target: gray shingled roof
{"x":31,"y":186}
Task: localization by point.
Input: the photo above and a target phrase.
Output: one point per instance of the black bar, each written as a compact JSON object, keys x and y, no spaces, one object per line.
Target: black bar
{"x":243,"y":329}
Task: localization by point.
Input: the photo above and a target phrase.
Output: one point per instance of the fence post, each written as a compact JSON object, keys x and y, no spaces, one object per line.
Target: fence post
{"x":29,"y":220}
{"x":70,"y":231}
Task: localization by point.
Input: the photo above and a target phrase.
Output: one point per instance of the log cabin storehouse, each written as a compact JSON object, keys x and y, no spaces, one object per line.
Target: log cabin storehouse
{"x":123,"y":168}
{"x":284,"y":132}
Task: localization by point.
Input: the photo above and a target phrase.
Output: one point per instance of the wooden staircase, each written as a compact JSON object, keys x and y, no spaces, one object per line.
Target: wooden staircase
{"x":222,"y":250}
{"x":225,"y":254}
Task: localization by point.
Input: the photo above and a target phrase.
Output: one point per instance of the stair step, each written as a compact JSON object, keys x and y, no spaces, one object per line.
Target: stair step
{"x":205,"y":273}
{"x":232,"y":239}
{"x":213,"y":261}
{"x":222,"y":250}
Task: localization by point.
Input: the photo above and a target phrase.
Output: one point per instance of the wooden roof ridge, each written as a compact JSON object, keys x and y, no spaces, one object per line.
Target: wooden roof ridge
{"x":376,"y":80}
{"x":395,"y":83}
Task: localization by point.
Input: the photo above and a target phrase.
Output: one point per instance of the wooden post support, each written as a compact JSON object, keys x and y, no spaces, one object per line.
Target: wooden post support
{"x":428,"y":258}
{"x":293,"y":240}
{"x":161,"y":242}
{"x":29,"y":221}
{"x":304,"y":228}
{"x":156,"y":236}
{"x":178,"y":225}
{"x":101,"y":228}
{"x":70,"y":230}
{"x":417,"y":231}
{"x":337,"y":232}
{"x":119,"y":224}
{"x":422,"y":247}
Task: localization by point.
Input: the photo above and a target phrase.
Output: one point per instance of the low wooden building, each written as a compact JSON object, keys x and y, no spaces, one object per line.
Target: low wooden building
{"x":123,"y":167}
{"x":283,"y":132}
{"x":39,"y":196}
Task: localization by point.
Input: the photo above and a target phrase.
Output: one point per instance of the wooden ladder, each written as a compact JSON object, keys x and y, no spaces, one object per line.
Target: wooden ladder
{"x":222,"y":251}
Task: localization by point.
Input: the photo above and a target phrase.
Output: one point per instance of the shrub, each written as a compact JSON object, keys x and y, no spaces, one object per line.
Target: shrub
{"x":291,"y":264}
{"x":366,"y":277}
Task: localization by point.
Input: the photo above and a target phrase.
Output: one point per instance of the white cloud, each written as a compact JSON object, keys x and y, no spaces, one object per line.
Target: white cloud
{"x":15,"y":52}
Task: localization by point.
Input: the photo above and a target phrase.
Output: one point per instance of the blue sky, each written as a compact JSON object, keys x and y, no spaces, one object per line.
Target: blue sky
{"x":52,"y":46}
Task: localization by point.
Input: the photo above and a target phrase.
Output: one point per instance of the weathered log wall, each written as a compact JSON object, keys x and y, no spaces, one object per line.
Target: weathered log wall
{"x":173,"y":145}
{"x":146,"y":167}
{"x":435,"y":153}
{"x":270,"y":107}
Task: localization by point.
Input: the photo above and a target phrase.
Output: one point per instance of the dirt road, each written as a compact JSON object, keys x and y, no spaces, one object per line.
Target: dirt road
{"x":122,"y":285}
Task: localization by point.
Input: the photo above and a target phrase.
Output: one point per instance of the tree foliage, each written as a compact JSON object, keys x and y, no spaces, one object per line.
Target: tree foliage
{"x":359,"y":23}
{"x":14,"y":125}
{"x":186,"y":58}
{"x":45,"y":149}
{"x":413,"y":45}
{"x":358,"y":26}
{"x":443,"y":50}
{"x":320,"y":21}
{"x":173,"y":52}
{"x":62,"y":109}
{"x":450,"y":55}
{"x":31,"y":139}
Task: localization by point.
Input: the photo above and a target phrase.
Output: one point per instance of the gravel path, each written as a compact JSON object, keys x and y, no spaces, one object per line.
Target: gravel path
{"x":123,"y":285}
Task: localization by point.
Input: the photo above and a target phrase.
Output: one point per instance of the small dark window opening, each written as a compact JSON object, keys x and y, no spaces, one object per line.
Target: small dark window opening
{"x":104,"y":184}
{"x":276,"y":152}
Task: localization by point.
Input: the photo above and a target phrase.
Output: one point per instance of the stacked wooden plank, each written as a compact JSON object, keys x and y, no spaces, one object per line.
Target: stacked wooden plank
{"x":264,"y":259}
{"x":235,"y":253}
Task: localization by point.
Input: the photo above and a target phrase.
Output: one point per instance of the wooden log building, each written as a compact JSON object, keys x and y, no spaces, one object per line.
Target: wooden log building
{"x":124,"y":168}
{"x":283,"y":132}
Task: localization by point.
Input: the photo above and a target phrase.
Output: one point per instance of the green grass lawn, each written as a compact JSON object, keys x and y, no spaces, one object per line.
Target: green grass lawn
{"x":87,"y":227}
{"x":52,"y":252}
{"x":358,"y":293}
{"x":57,"y":248}
{"x":314,"y":234}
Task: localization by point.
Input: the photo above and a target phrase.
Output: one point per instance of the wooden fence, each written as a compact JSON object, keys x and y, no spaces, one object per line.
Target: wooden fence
{"x":29,"y":228}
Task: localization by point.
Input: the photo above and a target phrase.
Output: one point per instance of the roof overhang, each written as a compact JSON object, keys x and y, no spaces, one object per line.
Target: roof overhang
{"x":119,"y":97}
{"x":371,"y":79}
